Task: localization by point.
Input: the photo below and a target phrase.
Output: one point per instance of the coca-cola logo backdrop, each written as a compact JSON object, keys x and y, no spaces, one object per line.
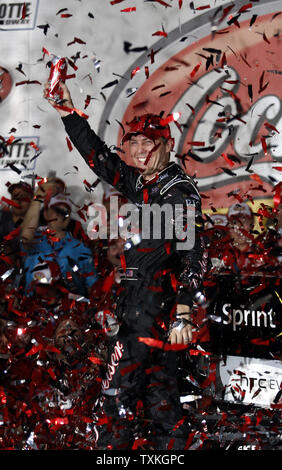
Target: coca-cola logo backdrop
{"x":227,"y":88}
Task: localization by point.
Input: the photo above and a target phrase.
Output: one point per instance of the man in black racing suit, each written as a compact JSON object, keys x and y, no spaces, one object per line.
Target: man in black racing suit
{"x":158,"y":287}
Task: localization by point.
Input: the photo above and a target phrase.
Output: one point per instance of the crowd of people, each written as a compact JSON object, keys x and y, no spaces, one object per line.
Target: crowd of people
{"x":58,"y":293}
{"x":235,"y":243}
{"x":57,"y":309}
{"x":245,"y":250}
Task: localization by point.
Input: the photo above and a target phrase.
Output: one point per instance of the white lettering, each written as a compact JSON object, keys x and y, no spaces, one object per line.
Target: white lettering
{"x":227,"y":313}
{"x":235,"y":322}
{"x":97,"y":227}
{"x":247,"y":447}
{"x":246,"y":314}
{"x":154,"y":211}
{"x":162,"y":459}
{"x":109,"y":460}
{"x":243,"y":129}
{"x":265,"y":109}
{"x":244,"y":317}
{"x":270,"y":318}
{"x":115,"y":358}
{"x":259,"y":316}
{"x":206,"y":125}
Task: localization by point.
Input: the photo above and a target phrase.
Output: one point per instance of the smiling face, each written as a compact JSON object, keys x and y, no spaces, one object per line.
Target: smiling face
{"x":149,"y":156}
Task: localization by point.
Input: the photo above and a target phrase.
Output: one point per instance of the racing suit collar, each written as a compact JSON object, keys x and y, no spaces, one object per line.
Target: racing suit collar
{"x":140,"y":183}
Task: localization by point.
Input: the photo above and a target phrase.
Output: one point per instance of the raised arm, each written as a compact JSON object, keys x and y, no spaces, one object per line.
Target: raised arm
{"x":106,"y":164}
{"x":32,"y":216}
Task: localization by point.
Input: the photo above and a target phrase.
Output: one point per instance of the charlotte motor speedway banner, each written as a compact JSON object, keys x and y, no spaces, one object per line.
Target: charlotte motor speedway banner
{"x":213,"y":68}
